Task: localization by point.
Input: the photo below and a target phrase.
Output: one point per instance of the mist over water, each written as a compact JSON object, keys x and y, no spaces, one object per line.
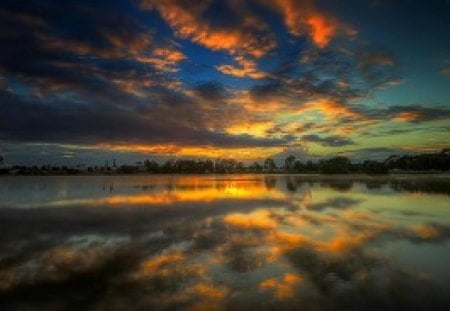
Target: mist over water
{"x":225,"y":242}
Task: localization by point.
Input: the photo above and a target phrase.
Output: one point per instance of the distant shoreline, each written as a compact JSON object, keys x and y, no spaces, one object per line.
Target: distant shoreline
{"x":306,"y":175}
{"x":435,"y":163}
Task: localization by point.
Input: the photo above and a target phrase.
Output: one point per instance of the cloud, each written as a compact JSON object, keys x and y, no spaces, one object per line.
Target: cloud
{"x":307,"y":259}
{"x":184,"y":121}
{"x":303,"y":17}
{"x":328,"y":141}
{"x":165,"y":59}
{"x":102,"y":78}
{"x":329,"y":81}
{"x":235,"y":31}
{"x":379,"y":68}
{"x":96,"y":48}
{"x":414,"y":113}
{"x":255,"y":220}
{"x":245,"y":68}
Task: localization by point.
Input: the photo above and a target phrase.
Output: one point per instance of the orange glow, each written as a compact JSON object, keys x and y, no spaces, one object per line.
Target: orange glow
{"x":209,"y":291}
{"x":344,"y":241}
{"x":426,"y":232}
{"x":302,"y":17}
{"x":189,"y":191}
{"x":197,"y":195}
{"x":247,"y":68}
{"x":408,"y":116}
{"x":200,"y":151}
{"x":170,"y":55}
{"x":292,"y":12}
{"x":154,"y":263}
{"x":168,"y":265}
{"x":188,"y":23}
{"x":256,"y":128}
{"x":334,"y":110}
{"x":322,"y":30}
{"x":284,"y":289}
{"x":164,"y":59}
{"x":269,"y":283}
{"x":286,"y":241}
{"x":255,"y":220}
{"x":209,"y":297}
{"x":271,"y":105}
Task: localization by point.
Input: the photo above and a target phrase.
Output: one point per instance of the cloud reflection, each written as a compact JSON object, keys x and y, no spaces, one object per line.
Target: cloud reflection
{"x":226,"y":242}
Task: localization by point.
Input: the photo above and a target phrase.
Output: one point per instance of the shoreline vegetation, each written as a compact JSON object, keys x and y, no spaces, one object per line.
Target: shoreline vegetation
{"x":435,"y":163}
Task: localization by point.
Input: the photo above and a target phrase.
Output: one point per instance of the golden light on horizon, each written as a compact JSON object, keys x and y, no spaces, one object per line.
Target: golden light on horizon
{"x":198,"y":151}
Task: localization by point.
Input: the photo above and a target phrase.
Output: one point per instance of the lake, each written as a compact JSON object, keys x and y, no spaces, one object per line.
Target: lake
{"x":225,"y":242}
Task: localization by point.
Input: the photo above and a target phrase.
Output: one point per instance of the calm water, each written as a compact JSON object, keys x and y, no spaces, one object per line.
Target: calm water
{"x":233,"y":242}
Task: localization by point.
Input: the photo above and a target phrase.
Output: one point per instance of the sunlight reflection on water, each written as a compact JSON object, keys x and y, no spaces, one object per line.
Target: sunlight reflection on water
{"x":224,"y":242}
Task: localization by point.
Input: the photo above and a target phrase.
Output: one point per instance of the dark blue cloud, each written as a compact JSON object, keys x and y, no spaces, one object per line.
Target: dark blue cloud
{"x":328,"y":141}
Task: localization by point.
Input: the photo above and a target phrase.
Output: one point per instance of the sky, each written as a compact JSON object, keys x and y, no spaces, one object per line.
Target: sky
{"x":87,"y":81}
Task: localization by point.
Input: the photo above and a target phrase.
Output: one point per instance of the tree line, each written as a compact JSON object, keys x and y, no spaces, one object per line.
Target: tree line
{"x":336,"y":165}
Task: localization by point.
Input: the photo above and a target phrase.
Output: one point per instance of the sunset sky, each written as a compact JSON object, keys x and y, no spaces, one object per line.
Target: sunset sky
{"x":84,"y":81}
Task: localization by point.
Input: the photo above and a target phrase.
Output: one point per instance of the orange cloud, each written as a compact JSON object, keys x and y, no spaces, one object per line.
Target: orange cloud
{"x":333,"y":109}
{"x":139,"y":48}
{"x":284,"y":288}
{"x":208,"y":291}
{"x":205,"y":194}
{"x":246,"y":68}
{"x":322,"y":30}
{"x":251,"y":153}
{"x":344,"y":241}
{"x":408,"y":116}
{"x":249,"y":36}
{"x":164,"y":59}
{"x":302,"y":17}
{"x":159,"y":264}
{"x":192,"y":189}
{"x":254,"y":220}
{"x":254,"y":128}
{"x":272,"y":105}
{"x":209,"y":297}
{"x":426,"y":231}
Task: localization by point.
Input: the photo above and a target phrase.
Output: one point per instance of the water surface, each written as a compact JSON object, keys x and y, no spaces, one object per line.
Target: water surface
{"x":225,"y":242}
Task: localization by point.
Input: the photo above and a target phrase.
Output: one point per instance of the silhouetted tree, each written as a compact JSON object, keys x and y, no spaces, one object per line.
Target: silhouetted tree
{"x":127,"y":169}
{"x":255,"y":167}
{"x":423,"y":162}
{"x":289,"y":164}
{"x":374,"y":167}
{"x":151,"y":166}
{"x":225,"y":166}
{"x":311,"y":167}
{"x":299,"y":167}
{"x":336,"y":165}
{"x":269,"y":165}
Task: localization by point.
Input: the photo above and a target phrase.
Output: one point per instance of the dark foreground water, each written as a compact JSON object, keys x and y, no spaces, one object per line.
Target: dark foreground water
{"x":234,"y":242}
